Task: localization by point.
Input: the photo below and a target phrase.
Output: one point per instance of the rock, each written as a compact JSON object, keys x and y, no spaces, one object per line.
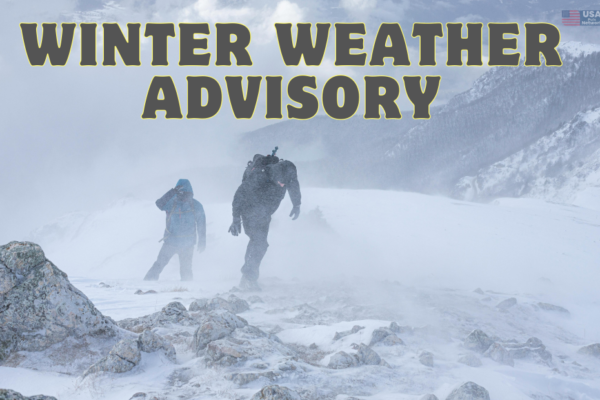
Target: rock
{"x":173,"y":313}
{"x":366,"y":356}
{"x":175,"y":308}
{"x":477,"y":341}
{"x":244,"y":378}
{"x":140,"y":291}
{"x":7,"y":394}
{"x":138,"y":396}
{"x":17,"y":259}
{"x":355,"y":328}
{"x":218,"y":325}
{"x":150,"y":342}
{"x":123,"y":357}
{"x":126,"y":354}
{"x":104,"y":285}
{"x":395,"y":328}
{"x":469,"y":391}
{"x":237,"y":305}
{"x":392,"y":340}
{"x":553,"y":308}
{"x":276,"y":393}
{"x":506,"y":304}
{"x":426,"y":358}
{"x":379,"y":335}
{"x":233,"y":304}
{"x":39,"y":306}
{"x":470,"y":360}
{"x":313,"y":346}
{"x":478,"y":291}
{"x":255,"y":299}
{"x":533,"y":349}
{"x":429,"y":397}
{"x":590,"y":350}
{"x":8,"y":343}
{"x":243,"y":344}
{"x":499,"y":354}
{"x":198,"y":305}
{"x":342,"y":360}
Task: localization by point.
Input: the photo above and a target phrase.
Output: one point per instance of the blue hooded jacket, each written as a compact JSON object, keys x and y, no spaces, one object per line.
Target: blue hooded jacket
{"x":186,"y":222}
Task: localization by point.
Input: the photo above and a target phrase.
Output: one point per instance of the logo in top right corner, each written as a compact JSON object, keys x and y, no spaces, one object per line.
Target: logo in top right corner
{"x":581,"y":18}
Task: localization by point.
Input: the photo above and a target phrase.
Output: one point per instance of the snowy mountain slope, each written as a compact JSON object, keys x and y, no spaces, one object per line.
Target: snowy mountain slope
{"x":370,"y":258}
{"x":506,"y":110}
{"x":329,"y":152}
{"x":557,"y":166}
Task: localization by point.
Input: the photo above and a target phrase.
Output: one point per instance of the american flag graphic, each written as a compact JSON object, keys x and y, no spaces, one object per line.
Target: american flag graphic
{"x":571,"y":18}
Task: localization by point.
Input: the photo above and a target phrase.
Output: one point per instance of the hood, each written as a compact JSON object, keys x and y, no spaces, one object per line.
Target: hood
{"x":187,"y":186}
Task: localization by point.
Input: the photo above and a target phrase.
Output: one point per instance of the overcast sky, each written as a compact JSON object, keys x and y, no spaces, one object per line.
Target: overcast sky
{"x":72,"y":137}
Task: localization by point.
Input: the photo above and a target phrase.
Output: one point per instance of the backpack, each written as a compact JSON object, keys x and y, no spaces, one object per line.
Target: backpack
{"x":258,"y":171}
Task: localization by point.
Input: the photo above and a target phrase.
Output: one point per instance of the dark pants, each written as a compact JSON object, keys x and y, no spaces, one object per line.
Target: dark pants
{"x":257,"y":229}
{"x":186,"y":255}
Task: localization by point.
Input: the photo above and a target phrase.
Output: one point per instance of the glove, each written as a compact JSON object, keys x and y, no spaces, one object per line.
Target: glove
{"x":295,"y":212}
{"x":236,"y":227}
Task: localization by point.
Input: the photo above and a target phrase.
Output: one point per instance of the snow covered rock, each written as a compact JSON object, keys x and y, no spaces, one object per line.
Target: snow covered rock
{"x":342,"y":360}
{"x":16,"y":260}
{"x":379,"y":335}
{"x":150,"y":342}
{"x":429,"y":397}
{"x":426,"y":358}
{"x":173,"y":313}
{"x":478,"y":341}
{"x":198,"y":305}
{"x":244,"y":378}
{"x":122,"y":358}
{"x":469,"y":391}
{"x":591,"y":350}
{"x":355,"y":329}
{"x":237,"y":305}
{"x":217,"y":325}
{"x":7,"y":394}
{"x":395,"y":328}
{"x":364,"y":356}
{"x":499,"y":354}
{"x":506,"y":304}
{"x":244,"y":344}
{"x":38,"y":305}
{"x":233,"y":304}
{"x":532,"y":349}
{"x":470,"y":360}
{"x":126,"y":354}
{"x":553,"y":308}
{"x":392,"y":340}
{"x":276,"y":393}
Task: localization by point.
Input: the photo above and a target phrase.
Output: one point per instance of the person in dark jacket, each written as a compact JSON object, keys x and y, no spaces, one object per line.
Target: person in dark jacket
{"x":186,"y":226}
{"x":265,"y":182}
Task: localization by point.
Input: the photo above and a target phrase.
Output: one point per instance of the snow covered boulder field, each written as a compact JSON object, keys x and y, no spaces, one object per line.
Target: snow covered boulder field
{"x":369,"y":295}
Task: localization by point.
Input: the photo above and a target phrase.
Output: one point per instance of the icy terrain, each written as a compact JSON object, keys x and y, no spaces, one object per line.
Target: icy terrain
{"x":404,"y":262}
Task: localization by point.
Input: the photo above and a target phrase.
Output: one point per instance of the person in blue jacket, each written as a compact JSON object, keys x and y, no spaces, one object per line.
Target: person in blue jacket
{"x":186,"y":226}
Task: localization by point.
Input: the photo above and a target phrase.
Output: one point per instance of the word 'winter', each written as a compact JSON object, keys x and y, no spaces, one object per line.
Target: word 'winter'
{"x":205,"y":94}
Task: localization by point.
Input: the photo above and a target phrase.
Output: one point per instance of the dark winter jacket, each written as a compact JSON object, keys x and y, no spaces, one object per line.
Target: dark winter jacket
{"x":186,"y":223}
{"x":263,"y":187}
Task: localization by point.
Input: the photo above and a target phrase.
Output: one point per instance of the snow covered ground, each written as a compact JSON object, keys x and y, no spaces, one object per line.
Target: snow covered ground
{"x":364,"y":258}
